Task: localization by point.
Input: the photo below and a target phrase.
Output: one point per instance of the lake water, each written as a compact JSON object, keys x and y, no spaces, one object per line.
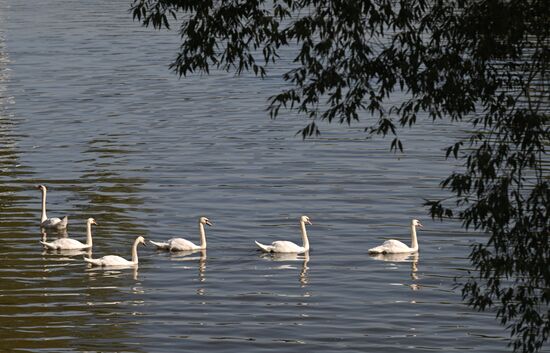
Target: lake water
{"x":89,"y":108}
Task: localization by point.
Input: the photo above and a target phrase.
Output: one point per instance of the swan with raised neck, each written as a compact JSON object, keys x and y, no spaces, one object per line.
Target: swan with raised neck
{"x":72,"y":244}
{"x":53,"y":222}
{"x":393,"y":246}
{"x":181,"y":244}
{"x":283,"y":246}
{"x":117,"y":261}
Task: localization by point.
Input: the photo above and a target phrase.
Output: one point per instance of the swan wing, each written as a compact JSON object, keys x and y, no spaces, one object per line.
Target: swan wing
{"x":284,"y":246}
{"x":55,"y":222}
{"x":109,"y":260}
{"x":180,"y":244}
{"x":160,"y":245}
{"x":264,"y":248}
{"x":95,"y":262}
{"x":114,"y":260}
{"x":391,"y":246}
{"x":65,"y":244}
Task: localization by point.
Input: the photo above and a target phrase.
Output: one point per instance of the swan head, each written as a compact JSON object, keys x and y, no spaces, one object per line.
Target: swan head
{"x":41,"y":187}
{"x":140,"y":240}
{"x":91,"y":221}
{"x":416,"y":223}
{"x":204,"y":220}
{"x":305,"y":219}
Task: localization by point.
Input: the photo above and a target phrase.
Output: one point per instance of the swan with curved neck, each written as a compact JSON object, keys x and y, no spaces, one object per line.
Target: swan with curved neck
{"x":46,"y":222}
{"x":393,"y":246}
{"x":72,"y":244}
{"x":283,"y":246}
{"x":117,"y":261}
{"x":181,"y":244}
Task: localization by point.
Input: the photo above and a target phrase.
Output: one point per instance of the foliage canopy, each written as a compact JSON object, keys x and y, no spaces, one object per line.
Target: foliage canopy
{"x":484,"y":62}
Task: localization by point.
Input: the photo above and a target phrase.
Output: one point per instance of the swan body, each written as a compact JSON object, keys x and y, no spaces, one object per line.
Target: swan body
{"x":110,"y":260}
{"x":54,"y":222}
{"x":393,"y":246}
{"x":283,"y":246}
{"x":117,"y":261}
{"x":181,"y":244}
{"x":72,"y":244}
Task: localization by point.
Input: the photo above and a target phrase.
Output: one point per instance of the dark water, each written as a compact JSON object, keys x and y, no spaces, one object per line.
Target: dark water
{"x":89,"y":108}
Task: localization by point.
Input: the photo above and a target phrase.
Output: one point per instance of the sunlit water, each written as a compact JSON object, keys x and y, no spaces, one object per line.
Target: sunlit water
{"x":89,"y":108}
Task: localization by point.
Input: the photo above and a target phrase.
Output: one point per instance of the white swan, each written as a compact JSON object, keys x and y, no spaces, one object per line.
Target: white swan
{"x":72,"y":244}
{"x":117,"y":261}
{"x":46,"y":222}
{"x":393,"y":246}
{"x":283,"y":246}
{"x":180,"y":244}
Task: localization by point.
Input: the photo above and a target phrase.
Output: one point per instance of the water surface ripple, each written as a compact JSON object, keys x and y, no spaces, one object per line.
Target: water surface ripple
{"x":89,"y":108}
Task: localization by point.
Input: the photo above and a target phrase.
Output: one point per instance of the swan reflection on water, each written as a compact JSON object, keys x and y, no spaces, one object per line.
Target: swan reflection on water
{"x":290,"y":257}
{"x":112,"y":271}
{"x":192,"y":255}
{"x":68,"y":252}
{"x":53,"y":233}
{"x":403,"y":257}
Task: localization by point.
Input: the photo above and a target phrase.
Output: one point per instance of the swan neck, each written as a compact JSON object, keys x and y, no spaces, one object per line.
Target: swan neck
{"x":304,"y":236}
{"x":202,"y":234}
{"x":414,"y":240}
{"x":134,"y":252}
{"x":43,"y":217}
{"x":89,"y":234}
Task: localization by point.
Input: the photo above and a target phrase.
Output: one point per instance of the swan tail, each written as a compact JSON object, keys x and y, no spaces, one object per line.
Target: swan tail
{"x":92,"y":261}
{"x":160,"y":245}
{"x":377,"y":250}
{"x":55,"y":223}
{"x":64,"y":222}
{"x":48,"y":245}
{"x":265,"y":248}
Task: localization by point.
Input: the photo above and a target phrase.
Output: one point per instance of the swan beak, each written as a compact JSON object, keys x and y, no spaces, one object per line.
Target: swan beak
{"x":420,"y":225}
{"x":309,"y":222}
{"x":209,"y":223}
{"x":94,"y":222}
